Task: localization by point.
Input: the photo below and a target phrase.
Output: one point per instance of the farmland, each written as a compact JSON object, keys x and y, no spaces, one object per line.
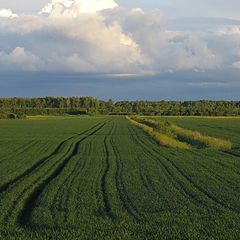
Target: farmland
{"x":105,"y":178}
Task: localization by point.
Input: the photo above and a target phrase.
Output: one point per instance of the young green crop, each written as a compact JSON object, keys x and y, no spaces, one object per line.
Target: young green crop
{"x":105,"y":178}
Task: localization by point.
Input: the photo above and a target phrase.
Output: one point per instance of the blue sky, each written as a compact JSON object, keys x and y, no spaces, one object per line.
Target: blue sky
{"x":171,"y":49}
{"x":184,"y":8}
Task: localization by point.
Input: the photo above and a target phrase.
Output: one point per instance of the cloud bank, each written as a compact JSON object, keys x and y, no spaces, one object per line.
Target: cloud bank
{"x":98,"y":36}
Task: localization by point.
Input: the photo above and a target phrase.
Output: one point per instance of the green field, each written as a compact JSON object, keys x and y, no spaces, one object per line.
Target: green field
{"x":105,"y":178}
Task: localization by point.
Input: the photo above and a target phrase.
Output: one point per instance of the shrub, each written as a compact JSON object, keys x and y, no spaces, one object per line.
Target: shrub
{"x":12,"y":116}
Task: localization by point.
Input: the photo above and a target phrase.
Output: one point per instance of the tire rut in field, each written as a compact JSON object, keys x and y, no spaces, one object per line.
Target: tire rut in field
{"x":232,"y":153}
{"x":61,"y":195}
{"x":30,"y":203}
{"x":214,"y":174}
{"x":25,"y":211}
{"x":202,"y":190}
{"x":41,"y":162}
{"x":197,"y":187}
{"x":105,"y":209}
{"x":106,"y":203}
{"x":126,"y":200}
{"x":79,"y":168}
{"x":65,"y":190}
{"x":225,"y":165}
{"x":144,"y":174}
{"x":179,"y":186}
{"x":30,"y":170}
{"x":235,"y":154}
{"x":10,"y":210}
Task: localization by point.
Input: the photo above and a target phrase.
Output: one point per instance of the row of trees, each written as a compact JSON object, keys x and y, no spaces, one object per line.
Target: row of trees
{"x":178,"y":108}
{"x":92,"y":106}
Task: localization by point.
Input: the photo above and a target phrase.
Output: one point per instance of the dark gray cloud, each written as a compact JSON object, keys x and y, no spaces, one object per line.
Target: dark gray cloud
{"x":167,"y":86}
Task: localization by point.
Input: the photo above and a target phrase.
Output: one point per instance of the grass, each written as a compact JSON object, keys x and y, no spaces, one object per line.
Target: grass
{"x":184,"y":135}
{"x":162,"y":137}
{"x":105,"y":178}
{"x":196,"y":138}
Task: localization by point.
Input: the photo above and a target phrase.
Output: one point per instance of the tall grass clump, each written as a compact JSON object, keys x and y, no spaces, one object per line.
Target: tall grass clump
{"x":180,"y":134}
{"x":196,"y":138}
{"x":161,"y":138}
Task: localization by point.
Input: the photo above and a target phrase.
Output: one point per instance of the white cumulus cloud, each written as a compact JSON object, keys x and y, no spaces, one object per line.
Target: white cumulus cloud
{"x":73,"y":7}
{"x":7,"y":13}
{"x":98,"y":36}
{"x":20,"y":59}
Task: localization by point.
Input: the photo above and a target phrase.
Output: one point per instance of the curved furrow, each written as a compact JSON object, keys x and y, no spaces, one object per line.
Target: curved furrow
{"x":178,"y":185}
{"x":81,"y":165}
{"x":148,"y":183}
{"x":226,"y":165}
{"x":52,"y":207}
{"x":59,"y":202}
{"x":215,"y":174}
{"x":146,"y":179}
{"x":201,"y":189}
{"x":23,"y":193}
{"x":102,"y":196}
{"x":106,"y":203}
{"x":168,"y":207}
{"x":22,"y":164}
{"x":144,"y":174}
{"x":67,"y":178}
{"x":25,"y":215}
{"x":167,"y":173}
{"x":28,"y":193}
{"x":38,"y":164}
{"x":96,"y":184}
{"x":127,"y":202}
{"x":42,"y":161}
{"x":65,"y":183}
{"x":232,"y":153}
{"x":198,"y":187}
{"x":85,"y":183}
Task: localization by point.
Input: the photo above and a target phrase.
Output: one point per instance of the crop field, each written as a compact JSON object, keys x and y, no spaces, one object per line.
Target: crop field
{"x":106,"y":178}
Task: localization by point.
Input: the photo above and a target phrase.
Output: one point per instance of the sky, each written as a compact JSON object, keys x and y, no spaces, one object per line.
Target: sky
{"x":150,"y":50}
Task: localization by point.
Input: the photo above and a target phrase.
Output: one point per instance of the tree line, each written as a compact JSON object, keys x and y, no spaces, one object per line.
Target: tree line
{"x":20,"y":107}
